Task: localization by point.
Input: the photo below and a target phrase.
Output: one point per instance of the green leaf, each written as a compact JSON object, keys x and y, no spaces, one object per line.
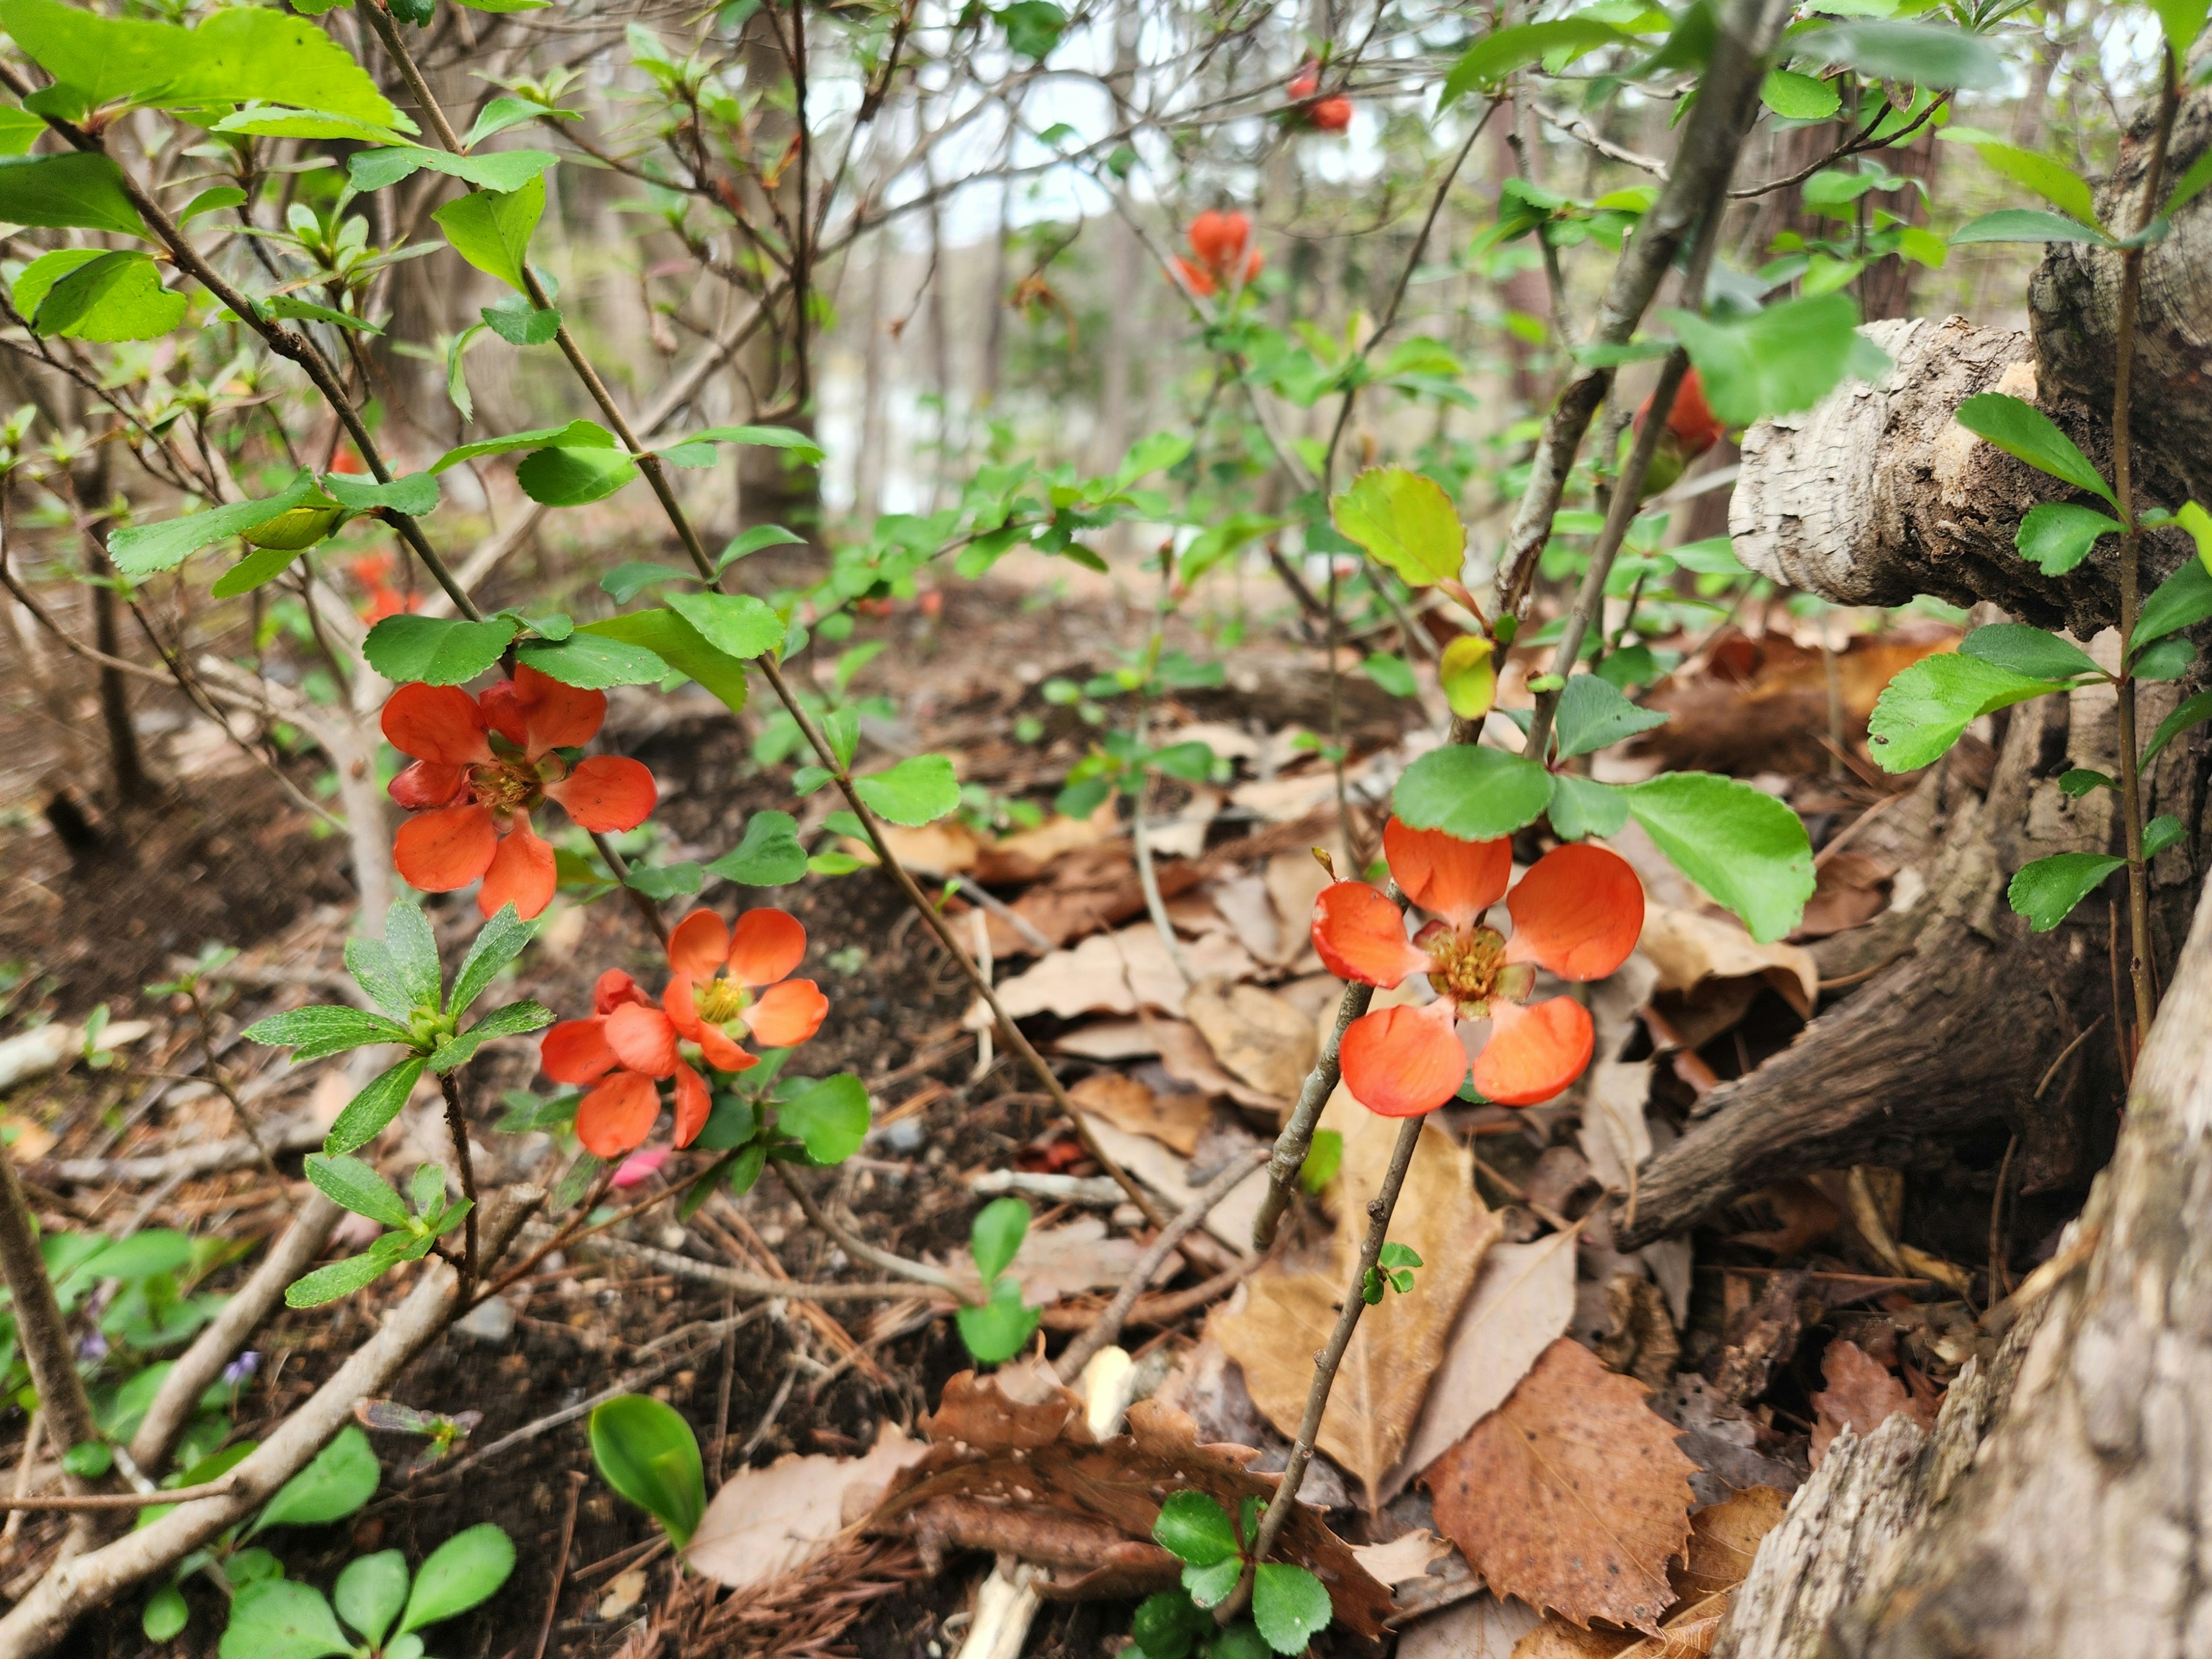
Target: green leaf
{"x":1775,"y":361}
{"x":436,"y":650}
{"x":364,"y":1115}
{"x":1323,"y":1160}
{"x":42,"y":273}
{"x":413,"y":495}
{"x":1498,"y":54}
{"x":1593,"y":714}
{"x":737,"y":625}
{"x":2078,"y":780}
{"x":502,"y":171}
{"x":2192,"y":712}
{"x":2182,"y":600}
{"x":1209,"y":1586}
{"x":2025,"y":432}
{"x":647,"y":1453}
{"x":1289,"y":1606}
{"x":762,"y":437}
{"x":116,"y":296}
{"x":257,"y":568}
{"x":353,"y":1274}
{"x":574,"y":477}
{"x":1922,"y":712}
{"x":1224,"y":538}
{"x":513,"y":1020}
{"x":369,"y":961}
{"x":2183,"y":21}
{"x":919,"y":790}
{"x":370,"y":1592}
{"x":577,"y":434}
{"x":467,"y":1568}
{"x":1033,"y":28}
{"x":1471,"y":792}
{"x":414,"y":948}
{"x":166,"y":1615}
{"x":1746,"y":850}
{"x":663,"y":882}
{"x":830,"y":1118}
{"x":1797,"y":97}
{"x":752,"y":541}
{"x":682,"y":647}
{"x":503,"y":112}
{"x":2025,"y":225}
{"x":2163,"y":660}
{"x":1165,"y":1625}
{"x":2029,"y":650}
{"x":1918,"y":54}
{"x":996,"y":1234}
{"x":769,"y":854}
{"x":1390,"y":674}
{"x":352,"y":1185}
{"x":290,"y":305}
{"x":499,"y":942}
{"x":2047,"y":891}
{"x":2190,"y":185}
{"x":491,"y":229}
{"x":519,"y":323}
{"x":88,"y":1460}
{"x":1404,"y":520}
{"x":343,"y":1477}
{"x":19,"y":129}
{"x":594,"y":661}
{"x":143,"y":549}
{"x":626,"y":581}
{"x":1195,"y":1529}
{"x":2198,"y":523}
{"x":2058,"y":535}
{"x":1001,"y":1327}
{"x":2160,"y":833}
{"x":1582,"y":807}
{"x":322,"y":1030}
{"x":84,"y":191}
{"x":2058,"y":184}
{"x":282,"y":1619}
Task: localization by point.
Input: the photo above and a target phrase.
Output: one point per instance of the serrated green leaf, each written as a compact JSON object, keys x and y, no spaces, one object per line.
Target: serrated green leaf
{"x":352,"y":1185}
{"x":1195,"y":1529}
{"x":1289,"y":1606}
{"x":1775,"y":361}
{"x":1472,"y":792}
{"x":2058,"y":535}
{"x":2058,"y":184}
{"x":995,"y":1235}
{"x":736,"y":624}
{"x":280,"y":1618}
{"x":436,"y":650}
{"x":1582,"y":807}
{"x":414,"y":495}
{"x":830,"y":1118}
{"x":313,"y":1033}
{"x":519,"y":323}
{"x":491,"y":229}
{"x":2182,"y":600}
{"x":343,"y":1477}
{"x":118,"y":296}
{"x":1593,"y":714}
{"x":766,"y":437}
{"x":2161,"y":832}
{"x":767,"y":855}
{"x":682,"y":647}
{"x":1924,"y":711}
{"x":2196,"y":710}
{"x":500,"y":171}
{"x":370,"y":1592}
{"x":2047,"y":891}
{"x":1405,"y":520}
{"x":2025,"y":225}
{"x":2163,"y":660}
{"x":1918,"y":54}
{"x":364,"y":1115}
{"x":577,"y":434}
{"x":143,"y":549}
{"x":1001,"y":1327}
{"x":84,"y":191}
{"x":1498,"y":54}
{"x":919,"y":790}
{"x":594,"y":661}
{"x":499,"y":942}
{"x":2028,"y":651}
{"x":1746,"y":850}
{"x":1797,"y":97}
{"x":752,"y":541}
{"x":2026,"y":433}
{"x":42,"y":273}
{"x":574,"y":477}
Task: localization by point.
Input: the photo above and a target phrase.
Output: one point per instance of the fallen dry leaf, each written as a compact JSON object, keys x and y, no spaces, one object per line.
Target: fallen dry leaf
{"x":1863,"y":1394}
{"x":1723,"y":1539}
{"x":624,"y":1592}
{"x":1256,"y":1035}
{"x":1573,"y":1495}
{"x":1243,"y":901}
{"x":1400,"y":1341}
{"x":1229,"y":1221}
{"x":1852,"y":888}
{"x":1185,"y":1057}
{"x":1710,"y":969}
{"x":1404,"y":1558}
{"x":1175,"y":1120}
{"x":1026,"y":1476}
{"x":947,"y":847}
{"x":1523,"y":1299}
{"x":1555,"y":1639}
{"x":1294,"y":882}
{"x":1115,"y":973}
{"x":767,"y":1521}
{"x":1483,"y":1626}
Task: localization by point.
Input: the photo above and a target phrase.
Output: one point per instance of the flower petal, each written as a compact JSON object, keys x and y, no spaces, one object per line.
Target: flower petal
{"x":693,"y":1102}
{"x":427,"y":784}
{"x":1400,"y":1062}
{"x":722,"y":1052}
{"x":1447,"y":877}
{"x":1534,"y":1053}
{"x":618,"y":1115}
{"x":681,"y":1007}
{"x":556,"y":715}
{"x":700,"y":945}
{"x":521,"y":873}
{"x":439,"y":851}
{"x":607,"y":791}
{"x":503,"y":713}
{"x":435,"y":723}
{"x":766,"y":944}
{"x":1578,"y":912}
{"x":575,"y":1051}
{"x":642,"y":1039}
{"x":788,"y":1014}
{"x":614,"y":988}
{"x":1361,"y":935}
{"x":639,"y":1166}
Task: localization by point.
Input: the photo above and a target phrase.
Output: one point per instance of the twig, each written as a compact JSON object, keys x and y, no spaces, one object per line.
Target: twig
{"x":846,"y":1240}
{"x":121,"y":1500}
{"x":1160,"y":1310}
{"x":1108,"y":1326}
{"x":1296,"y":1139}
{"x":775,"y":1410}
{"x":567,"y":1538}
{"x":1326,"y":1363}
{"x":456,"y":1125}
{"x":43,"y":1333}
{"x":24,"y":1465}
{"x":759,"y":1285}
{"x":977,"y":894}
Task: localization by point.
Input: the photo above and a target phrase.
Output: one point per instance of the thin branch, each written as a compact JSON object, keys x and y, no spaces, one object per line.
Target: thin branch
{"x":860,"y":1251}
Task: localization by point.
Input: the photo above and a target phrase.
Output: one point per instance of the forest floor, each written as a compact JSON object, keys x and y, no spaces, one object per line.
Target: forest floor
{"x":1783,"y":1321}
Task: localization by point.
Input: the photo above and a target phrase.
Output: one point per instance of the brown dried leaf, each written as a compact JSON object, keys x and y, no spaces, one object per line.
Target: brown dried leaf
{"x":1481,"y":1627}
{"x":1185,"y":1057}
{"x":767,"y":1521}
{"x":1404,"y":1558}
{"x":1555,"y":1639}
{"x":1176,"y":1121}
{"x":1573,"y":1495}
{"x":1723,"y":1539}
{"x":1861,"y":1394}
{"x":1116,"y":973}
{"x":1398,"y":1341}
{"x":1229,"y":1221}
{"x":1689,"y":948}
{"x":1256,"y":1035}
{"x":1852,"y":888}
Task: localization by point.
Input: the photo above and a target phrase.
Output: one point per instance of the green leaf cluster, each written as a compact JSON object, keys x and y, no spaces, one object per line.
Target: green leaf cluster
{"x":1290,"y":1605}
{"x":1000,"y":1327}
{"x":373,"y":1598}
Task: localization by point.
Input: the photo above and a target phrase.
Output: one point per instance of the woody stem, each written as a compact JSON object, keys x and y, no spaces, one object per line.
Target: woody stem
{"x":457,"y":1124}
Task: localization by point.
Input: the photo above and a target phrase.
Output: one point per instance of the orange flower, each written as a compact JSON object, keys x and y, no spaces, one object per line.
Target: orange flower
{"x":482,"y":765}
{"x":726,"y":984}
{"x":1331,"y":115}
{"x":1577,"y":913}
{"x":1220,"y":240}
{"x":373,"y":572}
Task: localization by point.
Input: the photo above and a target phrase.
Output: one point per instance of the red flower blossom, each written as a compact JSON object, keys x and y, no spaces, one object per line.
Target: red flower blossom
{"x":1577,"y":913}
{"x":1221,"y":241}
{"x":482,"y":765}
{"x":1331,"y":115}
{"x":1306,"y":83}
{"x":629,"y":1045}
{"x":373,"y":572}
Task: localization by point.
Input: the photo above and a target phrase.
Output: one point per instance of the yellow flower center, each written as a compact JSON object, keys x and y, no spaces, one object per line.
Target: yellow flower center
{"x":511,"y":784}
{"x":721,"y":1000}
{"x":1469,"y":967}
